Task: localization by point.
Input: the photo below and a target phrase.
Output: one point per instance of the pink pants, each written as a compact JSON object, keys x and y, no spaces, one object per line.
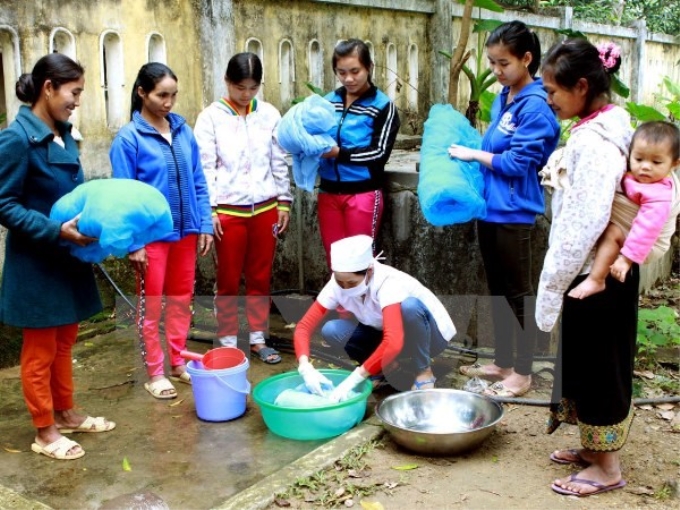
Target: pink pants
{"x":47,"y":371}
{"x":171,"y":272}
{"x":247,"y":248}
{"x":343,"y":216}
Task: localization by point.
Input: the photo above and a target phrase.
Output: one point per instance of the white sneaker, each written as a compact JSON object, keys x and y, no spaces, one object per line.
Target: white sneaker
{"x":228,"y":341}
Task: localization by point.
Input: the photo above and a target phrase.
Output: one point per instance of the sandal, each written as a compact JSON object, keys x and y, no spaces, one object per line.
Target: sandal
{"x":59,"y":449}
{"x":157,"y":388}
{"x":573,"y":452}
{"x":418,"y":385}
{"x":498,"y":389}
{"x":90,"y":424}
{"x":268,"y":354}
{"x":477,"y":370}
{"x":184,"y":377}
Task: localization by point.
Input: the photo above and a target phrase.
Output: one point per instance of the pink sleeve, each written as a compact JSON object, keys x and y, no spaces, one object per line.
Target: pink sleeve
{"x":654,"y":200}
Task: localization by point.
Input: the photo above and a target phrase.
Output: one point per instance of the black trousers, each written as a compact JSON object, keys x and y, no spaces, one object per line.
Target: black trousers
{"x":506,"y":253}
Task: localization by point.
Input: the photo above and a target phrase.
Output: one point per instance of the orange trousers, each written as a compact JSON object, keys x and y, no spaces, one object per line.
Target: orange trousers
{"x":47,"y":371}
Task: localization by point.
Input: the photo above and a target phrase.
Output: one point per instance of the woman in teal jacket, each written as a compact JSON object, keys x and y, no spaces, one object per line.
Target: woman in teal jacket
{"x":45,"y":290}
{"x":158,"y":147}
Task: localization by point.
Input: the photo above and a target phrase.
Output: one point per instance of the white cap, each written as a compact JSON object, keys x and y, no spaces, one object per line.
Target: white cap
{"x":352,"y":254}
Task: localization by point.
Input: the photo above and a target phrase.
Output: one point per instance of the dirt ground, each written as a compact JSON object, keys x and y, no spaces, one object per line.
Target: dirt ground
{"x":511,"y":470}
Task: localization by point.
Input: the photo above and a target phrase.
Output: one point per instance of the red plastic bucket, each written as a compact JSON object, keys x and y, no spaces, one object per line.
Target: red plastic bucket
{"x":218,"y":358}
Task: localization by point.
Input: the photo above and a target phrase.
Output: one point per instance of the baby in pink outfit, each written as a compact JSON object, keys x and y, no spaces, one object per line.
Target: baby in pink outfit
{"x":654,"y":152}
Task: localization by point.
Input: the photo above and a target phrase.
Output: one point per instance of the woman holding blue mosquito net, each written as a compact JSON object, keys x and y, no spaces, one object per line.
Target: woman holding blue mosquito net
{"x":394,"y":317}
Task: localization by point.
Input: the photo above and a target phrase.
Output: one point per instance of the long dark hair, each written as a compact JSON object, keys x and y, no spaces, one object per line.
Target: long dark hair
{"x":56,"y":67}
{"x":518,"y":40}
{"x":147,"y":78}
{"x":351,"y":47}
{"x":244,"y":66}
{"x":573,"y":59}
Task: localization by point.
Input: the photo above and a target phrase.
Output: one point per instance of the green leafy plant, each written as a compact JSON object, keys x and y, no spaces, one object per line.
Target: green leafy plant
{"x":666,"y":104}
{"x":657,"y":328}
{"x":313,"y":88}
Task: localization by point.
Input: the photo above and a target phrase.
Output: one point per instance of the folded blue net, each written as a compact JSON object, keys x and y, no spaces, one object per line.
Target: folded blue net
{"x":305,"y":131}
{"x":121,"y":213}
{"x":450,"y":191}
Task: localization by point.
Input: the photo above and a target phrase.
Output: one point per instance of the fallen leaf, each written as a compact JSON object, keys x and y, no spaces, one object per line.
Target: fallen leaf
{"x":646,"y":407}
{"x":11,"y":450}
{"x":88,"y":344}
{"x":290,"y":326}
{"x":405,"y":467}
{"x":494,"y":458}
{"x":666,"y":415}
{"x":354,"y":473}
{"x":339,"y":492}
{"x":391,"y":485}
{"x":666,"y":407}
{"x":647,"y":374}
{"x":126,"y":464}
{"x":175,"y":404}
{"x":281,"y":502}
{"x":371,"y":505}
{"x":640,"y":490}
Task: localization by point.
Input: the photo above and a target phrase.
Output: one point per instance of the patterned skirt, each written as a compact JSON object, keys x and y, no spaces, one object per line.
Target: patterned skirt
{"x":593,"y":384}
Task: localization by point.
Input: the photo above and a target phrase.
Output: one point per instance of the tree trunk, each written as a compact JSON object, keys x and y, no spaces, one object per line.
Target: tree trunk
{"x":460,"y":56}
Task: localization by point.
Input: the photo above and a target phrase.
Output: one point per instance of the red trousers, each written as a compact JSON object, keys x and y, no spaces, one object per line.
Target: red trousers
{"x":47,"y":371}
{"x":343,"y":216}
{"x":246,"y":248}
{"x":170,"y":272}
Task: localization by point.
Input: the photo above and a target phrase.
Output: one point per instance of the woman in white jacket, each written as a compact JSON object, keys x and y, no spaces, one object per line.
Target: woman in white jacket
{"x":250,"y":197}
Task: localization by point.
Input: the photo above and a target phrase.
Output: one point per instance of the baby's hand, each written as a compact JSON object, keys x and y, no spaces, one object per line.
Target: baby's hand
{"x":619,"y":269}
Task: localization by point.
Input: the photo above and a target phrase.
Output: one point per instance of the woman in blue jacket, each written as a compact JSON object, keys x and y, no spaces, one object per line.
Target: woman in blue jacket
{"x":522,"y":135}
{"x":352,"y":173}
{"x":158,"y":147}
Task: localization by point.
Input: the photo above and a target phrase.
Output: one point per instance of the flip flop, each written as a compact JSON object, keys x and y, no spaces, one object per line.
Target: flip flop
{"x":498,"y":389}
{"x":90,"y":424}
{"x":157,"y":388}
{"x":600,"y":487}
{"x":58,"y":449}
{"x":268,"y":354}
{"x":419,"y":384}
{"x":574,"y":453}
{"x":184,"y":377}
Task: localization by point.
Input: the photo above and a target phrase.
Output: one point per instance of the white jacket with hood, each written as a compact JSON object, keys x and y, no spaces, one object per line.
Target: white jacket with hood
{"x":596,"y":157}
{"x":242,"y":160}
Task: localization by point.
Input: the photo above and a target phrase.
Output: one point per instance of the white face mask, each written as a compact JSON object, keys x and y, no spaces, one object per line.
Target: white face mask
{"x":354,"y":292}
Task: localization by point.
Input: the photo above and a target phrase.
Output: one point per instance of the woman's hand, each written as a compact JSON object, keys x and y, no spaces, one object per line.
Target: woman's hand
{"x":69,"y":232}
{"x":333,"y":153}
{"x":217,"y":228}
{"x":284,"y":221}
{"x":462,"y":153}
{"x":139,"y":260}
{"x":205,"y":242}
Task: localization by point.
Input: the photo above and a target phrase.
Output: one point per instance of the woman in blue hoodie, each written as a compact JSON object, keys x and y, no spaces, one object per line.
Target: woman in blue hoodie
{"x":158,"y":147}
{"x":522,"y":135}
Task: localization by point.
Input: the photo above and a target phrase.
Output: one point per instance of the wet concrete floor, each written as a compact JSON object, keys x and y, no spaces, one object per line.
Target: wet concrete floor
{"x":175,"y":460}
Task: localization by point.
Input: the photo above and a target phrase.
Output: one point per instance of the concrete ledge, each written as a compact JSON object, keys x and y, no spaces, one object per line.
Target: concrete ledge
{"x":10,"y":500}
{"x":261,"y":495}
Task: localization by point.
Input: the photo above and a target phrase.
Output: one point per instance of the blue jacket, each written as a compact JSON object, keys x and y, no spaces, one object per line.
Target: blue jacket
{"x":140,"y":152}
{"x":366,"y":134}
{"x":43,"y":285}
{"x":522,"y":135}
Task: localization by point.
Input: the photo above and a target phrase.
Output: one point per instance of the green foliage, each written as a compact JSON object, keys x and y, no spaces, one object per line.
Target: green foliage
{"x":666,"y":104}
{"x":657,"y":328}
{"x":489,"y":5}
{"x":313,"y":88}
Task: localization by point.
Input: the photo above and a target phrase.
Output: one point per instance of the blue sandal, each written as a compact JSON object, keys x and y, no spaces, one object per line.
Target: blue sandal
{"x":268,"y":354}
{"x":419,"y":384}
